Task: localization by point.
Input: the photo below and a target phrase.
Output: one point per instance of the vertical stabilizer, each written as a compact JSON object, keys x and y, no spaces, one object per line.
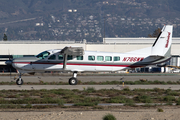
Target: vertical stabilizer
{"x":162,"y":45}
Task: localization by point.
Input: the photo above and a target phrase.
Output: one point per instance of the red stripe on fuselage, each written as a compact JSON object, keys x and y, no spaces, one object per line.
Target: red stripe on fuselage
{"x":108,"y":65}
{"x":37,"y":63}
{"x":81,"y":64}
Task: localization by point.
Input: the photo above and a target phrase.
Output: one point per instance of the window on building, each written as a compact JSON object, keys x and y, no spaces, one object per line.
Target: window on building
{"x":28,"y":55}
{"x":79,"y":57}
{"x":17,"y":56}
{"x":116,"y":58}
{"x":60,"y":57}
{"x":52,"y":57}
{"x":108,"y":58}
{"x":92,"y":58}
{"x":100,"y":58}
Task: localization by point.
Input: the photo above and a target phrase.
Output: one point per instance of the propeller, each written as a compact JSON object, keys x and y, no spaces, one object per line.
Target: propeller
{"x":9,"y":64}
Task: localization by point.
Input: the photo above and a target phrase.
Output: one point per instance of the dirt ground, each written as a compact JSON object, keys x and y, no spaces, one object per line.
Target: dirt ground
{"x":121,"y":113}
{"x":125,"y":113}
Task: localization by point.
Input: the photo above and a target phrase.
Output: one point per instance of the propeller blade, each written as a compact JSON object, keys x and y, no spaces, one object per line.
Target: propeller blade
{"x":9,"y":64}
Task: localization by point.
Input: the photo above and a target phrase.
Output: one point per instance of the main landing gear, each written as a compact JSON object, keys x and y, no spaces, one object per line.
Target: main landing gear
{"x":19,"y":81}
{"x":73,"y":80}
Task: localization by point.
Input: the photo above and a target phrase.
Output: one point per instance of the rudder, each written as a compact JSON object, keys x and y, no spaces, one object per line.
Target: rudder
{"x":162,"y":45}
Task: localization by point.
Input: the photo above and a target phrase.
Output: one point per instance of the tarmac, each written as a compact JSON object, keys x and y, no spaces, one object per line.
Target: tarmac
{"x":83,"y":87}
{"x":95,"y":78}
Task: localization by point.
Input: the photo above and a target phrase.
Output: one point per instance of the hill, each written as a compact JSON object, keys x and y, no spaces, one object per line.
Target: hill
{"x":75,"y":20}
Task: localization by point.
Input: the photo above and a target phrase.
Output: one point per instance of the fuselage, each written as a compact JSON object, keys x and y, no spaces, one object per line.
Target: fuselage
{"x":92,"y":61}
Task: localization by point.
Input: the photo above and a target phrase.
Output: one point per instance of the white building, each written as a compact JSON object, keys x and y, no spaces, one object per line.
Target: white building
{"x":29,"y":48}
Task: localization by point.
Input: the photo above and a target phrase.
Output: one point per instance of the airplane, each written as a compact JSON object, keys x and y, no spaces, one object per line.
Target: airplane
{"x":75,"y":59}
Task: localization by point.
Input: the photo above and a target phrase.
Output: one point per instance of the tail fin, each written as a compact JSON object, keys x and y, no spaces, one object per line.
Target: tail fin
{"x":162,"y":45}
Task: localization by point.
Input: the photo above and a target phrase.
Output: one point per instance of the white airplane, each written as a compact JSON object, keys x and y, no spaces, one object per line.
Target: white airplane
{"x":75,"y":59}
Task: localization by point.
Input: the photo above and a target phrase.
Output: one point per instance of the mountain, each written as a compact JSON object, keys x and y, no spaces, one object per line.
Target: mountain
{"x":130,"y":8}
{"x":76,"y":20}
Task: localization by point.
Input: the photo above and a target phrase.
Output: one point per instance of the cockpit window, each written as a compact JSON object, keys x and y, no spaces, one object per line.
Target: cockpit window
{"x":43,"y":55}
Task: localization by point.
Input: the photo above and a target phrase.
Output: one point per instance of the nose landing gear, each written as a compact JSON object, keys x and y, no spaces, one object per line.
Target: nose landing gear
{"x":19,"y":81}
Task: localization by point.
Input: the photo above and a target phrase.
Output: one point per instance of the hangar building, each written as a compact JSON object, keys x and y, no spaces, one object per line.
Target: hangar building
{"x":14,"y":49}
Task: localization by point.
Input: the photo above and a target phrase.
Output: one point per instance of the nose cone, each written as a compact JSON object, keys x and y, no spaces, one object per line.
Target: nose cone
{"x":8,"y":62}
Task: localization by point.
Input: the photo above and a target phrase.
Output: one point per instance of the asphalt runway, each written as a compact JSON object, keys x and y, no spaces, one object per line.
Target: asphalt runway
{"x":82,"y":87}
{"x":96,"y":78}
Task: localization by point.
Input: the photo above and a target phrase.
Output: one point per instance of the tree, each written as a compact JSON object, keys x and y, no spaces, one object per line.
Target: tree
{"x":155,"y":33}
{"x":5,"y":37}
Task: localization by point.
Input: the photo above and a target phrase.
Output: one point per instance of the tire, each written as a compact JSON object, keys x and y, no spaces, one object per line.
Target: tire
{"x":19,"y":82}
{"x":73,"y":81}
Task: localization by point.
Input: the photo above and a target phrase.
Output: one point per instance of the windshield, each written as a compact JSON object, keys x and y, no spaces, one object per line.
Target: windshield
{"x":43,"y":55}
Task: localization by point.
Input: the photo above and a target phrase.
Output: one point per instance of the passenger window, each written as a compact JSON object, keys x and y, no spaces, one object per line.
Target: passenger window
{"x":60,"y":57}
{"x":92,"y":58}
{"x":100,"y":58}
{"x":79,"y":57}
{"x":52,"y":57}
{"x":108,"y":58}
{"x":116,"y":58}
{"x":69,"y":57}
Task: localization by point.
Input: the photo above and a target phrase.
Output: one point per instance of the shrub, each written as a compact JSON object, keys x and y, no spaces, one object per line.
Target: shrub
{"x":173,"y":93}
{"x":126,"y":89}
{"x":118,"y":99}
{"x":160,"y":110}
{"x":86,"y":104}
{"x":156,"y":82}
{"x":169,"y":98}
{"x":91,"y":83}
{"x":148,"y":105}
{"x":129,"y":102}
{"x":11,"y":106}
{"x":129,"y":82}
{"x":168,"y":91}
{"x":109,"y":117}
{"x":28,"y":106}
{"x":98,"y":107}
{"x":144,"y":99}
{"x":178,"y":102}
{"x":90,"y":89}
{"x":169,"y":103}
{"x":60,"y":102}
{"x":157,"y":89}
{"x":170,"y":82}
{"x":91,"y":99}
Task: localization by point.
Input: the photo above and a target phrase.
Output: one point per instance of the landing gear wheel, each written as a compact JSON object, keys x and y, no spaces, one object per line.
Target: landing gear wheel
{"x":73,"y":81}
{"x":19,"y":81}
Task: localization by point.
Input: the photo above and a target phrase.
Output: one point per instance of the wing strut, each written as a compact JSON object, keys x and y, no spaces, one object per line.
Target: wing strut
{"x":75,"y":51}
{"x":64,"y":61}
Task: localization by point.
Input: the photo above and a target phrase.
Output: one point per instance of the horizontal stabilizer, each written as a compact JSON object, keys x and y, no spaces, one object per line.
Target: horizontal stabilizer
{"x":152,"y":58}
